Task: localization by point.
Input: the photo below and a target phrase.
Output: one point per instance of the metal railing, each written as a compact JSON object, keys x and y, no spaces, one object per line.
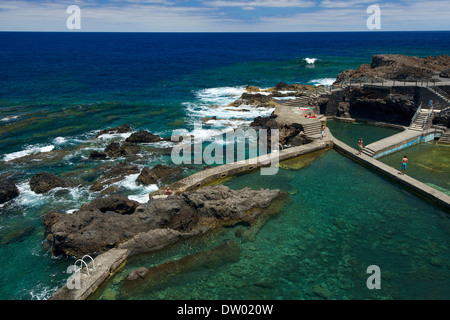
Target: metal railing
{"x":444,"y":94}
{"x":390,"y":82}
{"x":82,"y":262}
{"x":416,"y":114}
{"x":429,"y":119}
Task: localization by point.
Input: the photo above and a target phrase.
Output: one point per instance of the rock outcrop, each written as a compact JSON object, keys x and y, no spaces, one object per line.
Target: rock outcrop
{"x":114,"y":174}
{"x":8,"y":190}
{"x":398,"y":67}
{"x":107,"y":223}
{"x":289,"y":134}
{"x":43,"y":182}
{"x":115,"y":149}
{"x":157,"y":173}
{"x":122,"y":129}
{"x":384,"y":106}
{"x":143,"y":136}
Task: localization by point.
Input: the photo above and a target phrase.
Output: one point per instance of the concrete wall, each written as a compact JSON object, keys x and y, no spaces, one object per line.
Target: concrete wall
{"x":333,"y":102}
{"x":405,"y":145}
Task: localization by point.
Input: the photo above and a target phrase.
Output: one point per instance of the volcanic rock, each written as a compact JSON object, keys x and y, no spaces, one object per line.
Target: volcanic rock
{"x":8,"y":190}
{"x":398,"y":67}
{"x":143,"y":136}
{"x":122,"y":129}
{"x":114,"y":174}
{"x":97,"y":155}
{"x":157,"y":173}
{"x":44,"y":182}
{"x":115,"y":149}
{"x":108,"y":222}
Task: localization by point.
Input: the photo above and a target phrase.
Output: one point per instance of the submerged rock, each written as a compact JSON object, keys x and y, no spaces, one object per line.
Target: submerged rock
{"x":16,"y":235}
{"x":227,"y":252}
{"x":97,"y":155}
{"x":8,"y":190}
{"x":43,"y":182}
{"x":108,"y":222}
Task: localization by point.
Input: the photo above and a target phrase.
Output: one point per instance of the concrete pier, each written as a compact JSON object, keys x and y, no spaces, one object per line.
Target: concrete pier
{"x":397,"y":142}
{"x":106,"y":265}
{"x":204,"y":177}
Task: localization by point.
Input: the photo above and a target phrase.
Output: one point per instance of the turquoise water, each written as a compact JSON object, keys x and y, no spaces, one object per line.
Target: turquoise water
{"x":427,"y":162}
{"x":351,"y":132}
{"x":339,"y":219}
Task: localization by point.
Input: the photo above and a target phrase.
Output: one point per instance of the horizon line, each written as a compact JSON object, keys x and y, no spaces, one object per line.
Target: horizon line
{"x":212,"y":32}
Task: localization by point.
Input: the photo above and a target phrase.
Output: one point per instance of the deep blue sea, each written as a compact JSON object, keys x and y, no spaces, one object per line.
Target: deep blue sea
{"x":58,"y":89}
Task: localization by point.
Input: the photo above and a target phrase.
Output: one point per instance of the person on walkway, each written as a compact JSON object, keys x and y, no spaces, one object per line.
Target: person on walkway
{"x":404,"y":163}
{"x":360,"y":146}
{"x":430,"y":104}
{"x":322,"y":131}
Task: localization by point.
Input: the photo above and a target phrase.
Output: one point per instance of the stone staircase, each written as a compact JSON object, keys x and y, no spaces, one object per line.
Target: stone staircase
{"x":368,"y":152}
{"x":441,"y":99}
{"x":421,"y":120}
{"x":312,"y":128}
{"x":302,"y":101}
{"x":445,"y":138}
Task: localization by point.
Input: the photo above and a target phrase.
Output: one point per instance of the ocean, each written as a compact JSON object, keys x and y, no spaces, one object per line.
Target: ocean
{"x":57,"y":90}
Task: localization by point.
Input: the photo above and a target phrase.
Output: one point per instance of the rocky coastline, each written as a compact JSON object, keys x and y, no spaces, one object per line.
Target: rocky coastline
{"x":117,"y":222}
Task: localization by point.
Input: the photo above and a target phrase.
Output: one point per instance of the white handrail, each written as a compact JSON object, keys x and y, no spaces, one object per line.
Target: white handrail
{"x":417,"y":112}
{"x":82,"y":261}
{"x":88,"y":256}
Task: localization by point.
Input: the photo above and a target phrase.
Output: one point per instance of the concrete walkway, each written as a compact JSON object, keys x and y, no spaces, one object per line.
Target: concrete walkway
{"x":207,"y":176}
{"x":106,"y":265}
{"x":397,"y":142}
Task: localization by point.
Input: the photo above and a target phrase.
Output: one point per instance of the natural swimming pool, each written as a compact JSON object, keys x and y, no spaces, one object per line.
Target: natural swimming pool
{"x":338,"y":219}
{"x":351,"y":132}
{"x":427,"y":162}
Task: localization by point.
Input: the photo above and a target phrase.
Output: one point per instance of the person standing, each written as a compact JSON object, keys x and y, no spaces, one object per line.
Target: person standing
{"x":404,"y":163}
{"x":360,"y":146}
{"x":322,"y":131}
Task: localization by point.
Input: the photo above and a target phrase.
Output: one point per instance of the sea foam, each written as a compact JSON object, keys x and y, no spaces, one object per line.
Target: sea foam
{"x":29,"y":150}
{"x":310,"y":60}
{"x":323,"y":81}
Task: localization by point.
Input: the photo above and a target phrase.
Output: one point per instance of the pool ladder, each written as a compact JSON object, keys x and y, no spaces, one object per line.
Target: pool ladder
{"x":82,"y":262}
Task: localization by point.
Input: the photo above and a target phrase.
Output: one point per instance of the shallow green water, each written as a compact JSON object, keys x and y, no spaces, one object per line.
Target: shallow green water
{"x":427,"y":162}
{"x":350,"y":133}
{"x":339,"y":219}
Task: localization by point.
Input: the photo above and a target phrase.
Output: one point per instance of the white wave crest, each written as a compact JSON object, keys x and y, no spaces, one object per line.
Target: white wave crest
{"x":29,"y":150}
{"x":220,"y":95}
{"x":310,"y":60}
{"x":323,"y":81}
